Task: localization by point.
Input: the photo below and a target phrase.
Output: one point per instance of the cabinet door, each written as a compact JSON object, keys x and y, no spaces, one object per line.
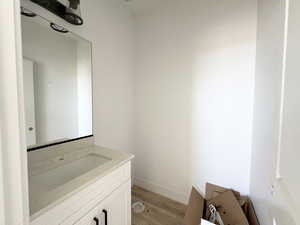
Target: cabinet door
{"x":94,"y":217}
{"x":114,"y":210}
{"x":118,"y":206}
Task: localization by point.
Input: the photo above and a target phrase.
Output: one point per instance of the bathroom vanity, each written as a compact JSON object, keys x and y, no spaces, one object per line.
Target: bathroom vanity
{"x":89,"y":185}
{"x":71,"y":180}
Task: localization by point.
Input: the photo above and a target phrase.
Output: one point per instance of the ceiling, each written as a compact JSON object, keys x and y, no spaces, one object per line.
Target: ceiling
{"x":141,"y":6}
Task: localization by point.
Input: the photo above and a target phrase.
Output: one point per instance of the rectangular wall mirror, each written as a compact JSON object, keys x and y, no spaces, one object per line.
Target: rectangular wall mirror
{"x":57,"y":69}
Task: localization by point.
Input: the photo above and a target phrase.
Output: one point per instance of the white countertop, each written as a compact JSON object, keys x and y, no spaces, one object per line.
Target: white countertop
{"x":42,"y":199}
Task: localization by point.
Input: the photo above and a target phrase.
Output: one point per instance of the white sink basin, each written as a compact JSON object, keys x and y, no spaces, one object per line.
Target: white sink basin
{"x":69,"y":171}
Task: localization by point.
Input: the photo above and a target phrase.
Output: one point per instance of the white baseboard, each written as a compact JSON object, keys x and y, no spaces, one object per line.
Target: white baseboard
{"x":159,"y":189}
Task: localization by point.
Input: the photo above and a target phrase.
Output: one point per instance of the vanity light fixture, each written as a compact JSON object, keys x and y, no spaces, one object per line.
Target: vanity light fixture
{"x":26,"y":12}
{"x":73,"y":13}
{"x":58,"y":28}
{"x":72,"y":18}
{"x":69,"y":10}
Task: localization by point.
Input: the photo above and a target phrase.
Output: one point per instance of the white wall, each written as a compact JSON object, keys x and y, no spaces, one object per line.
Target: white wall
{"x":268,"y":82}
{"x":290,"y":155}
{"x":194,"y":95}
{"x":274,"y":183}
{"x":2,"y":194}
{"x":108,"y":25}
{"x":55,"y":78}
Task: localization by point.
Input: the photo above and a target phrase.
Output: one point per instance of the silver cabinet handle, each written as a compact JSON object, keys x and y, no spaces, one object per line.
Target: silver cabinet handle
{"x":30,"y":129}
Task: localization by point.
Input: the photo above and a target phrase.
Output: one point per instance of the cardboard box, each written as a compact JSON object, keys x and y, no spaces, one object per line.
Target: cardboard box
{"x":234,"y":209}
{"x":195,"y":209}
{"x":229,"y":208}
{"x":213,"y":191}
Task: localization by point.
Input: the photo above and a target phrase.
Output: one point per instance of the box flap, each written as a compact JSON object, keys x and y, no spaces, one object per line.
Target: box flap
{"x":244,"y":203}
{"x":252,"y":218}
{"x":213,"y":191}
{"x":229,"y":209}
{"x":195,"y":209}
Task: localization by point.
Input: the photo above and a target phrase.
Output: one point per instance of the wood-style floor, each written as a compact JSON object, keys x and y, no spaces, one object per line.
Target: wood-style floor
{"x":159,"y":210}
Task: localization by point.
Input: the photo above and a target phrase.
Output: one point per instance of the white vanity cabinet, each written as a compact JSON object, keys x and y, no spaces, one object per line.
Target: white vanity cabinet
{"x":103,"y":201}
{"x":115,"y":210}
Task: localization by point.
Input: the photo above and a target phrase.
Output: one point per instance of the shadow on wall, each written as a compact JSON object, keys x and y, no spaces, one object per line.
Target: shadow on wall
{"x":284,"y":206}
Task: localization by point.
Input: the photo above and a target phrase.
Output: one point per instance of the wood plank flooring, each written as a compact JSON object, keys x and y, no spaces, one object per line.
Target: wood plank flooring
{"x":158,"y":209}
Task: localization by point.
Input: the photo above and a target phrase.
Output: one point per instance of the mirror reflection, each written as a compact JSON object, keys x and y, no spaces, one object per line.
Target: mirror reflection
{"x":57,"y":79}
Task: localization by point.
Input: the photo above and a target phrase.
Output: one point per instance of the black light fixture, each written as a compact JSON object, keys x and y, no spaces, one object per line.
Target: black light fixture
{"x":69,"y":12}
{"x":73,"y":18}
{"x":73,"y":13}
{"x":28,"y":13}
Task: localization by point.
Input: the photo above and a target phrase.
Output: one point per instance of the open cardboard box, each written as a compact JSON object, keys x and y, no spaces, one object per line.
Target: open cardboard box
{"x":234,"y":209}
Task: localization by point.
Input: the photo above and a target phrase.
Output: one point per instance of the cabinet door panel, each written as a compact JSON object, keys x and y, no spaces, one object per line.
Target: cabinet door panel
{"x":91,"y":217}
{"x":114,"y":210}
{"x":118,"y":206}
